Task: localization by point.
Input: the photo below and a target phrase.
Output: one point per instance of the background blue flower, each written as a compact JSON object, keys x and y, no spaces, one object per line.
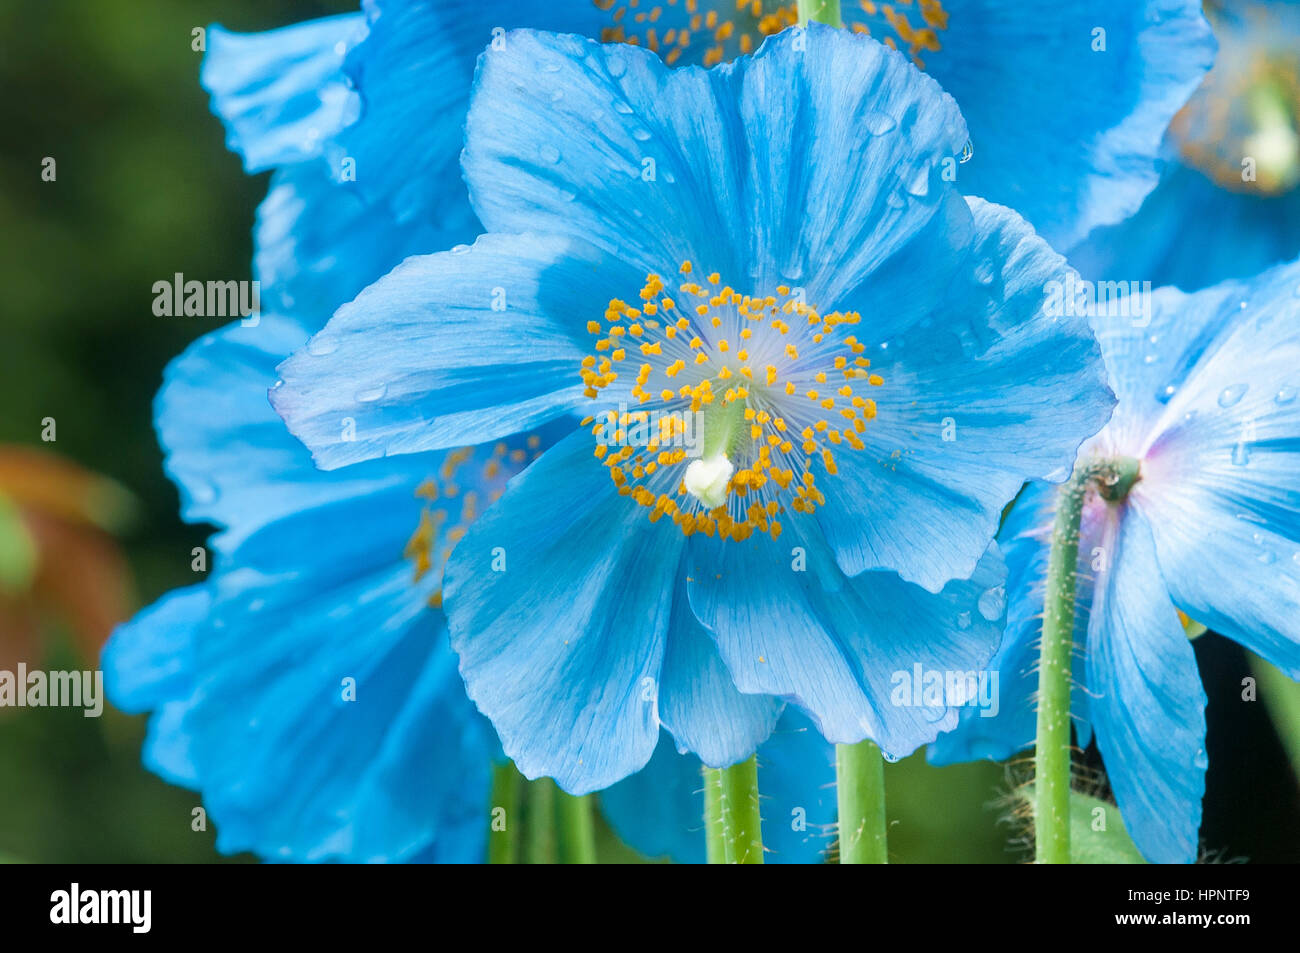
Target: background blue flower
{"x":1204,"y":224}
{"x":376,"y":102}
{"x":1207,"y":387}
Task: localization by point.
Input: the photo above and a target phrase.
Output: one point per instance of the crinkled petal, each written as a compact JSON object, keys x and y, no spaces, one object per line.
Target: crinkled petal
{"x":740,"y":169}
{"x":788,"y":623}
{"x":457,"y":348}
{"x":1147,"y":704}
{"x":969,"y":409}
{"x":559,"y":606}
{"x":230,"y":456}
{"x":282,"y":93}
{"x":1221,"y":477}
{"x":698,"y":702}
{"x":1124,"y":67}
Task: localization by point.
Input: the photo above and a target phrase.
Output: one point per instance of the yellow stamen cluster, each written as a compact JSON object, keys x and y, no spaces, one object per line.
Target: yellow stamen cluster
{"x":769,"y":373}
{"x":673,"y":27}
{"x":431,"y":545}
{"x":888,"y":17}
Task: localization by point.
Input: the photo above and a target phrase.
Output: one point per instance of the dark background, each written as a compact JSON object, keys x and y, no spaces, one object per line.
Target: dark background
{"x":146,"y":188}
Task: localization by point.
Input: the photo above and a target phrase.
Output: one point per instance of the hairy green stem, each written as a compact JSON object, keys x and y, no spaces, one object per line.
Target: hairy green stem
{"x":860,"y":790}
{"x":1113,"y":479}
{"x":820,"y":11}
{"x":735,"y":822}
{"x":715,"y":850}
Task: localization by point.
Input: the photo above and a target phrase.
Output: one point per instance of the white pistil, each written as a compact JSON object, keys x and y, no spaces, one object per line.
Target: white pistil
{"x":706,"y":479}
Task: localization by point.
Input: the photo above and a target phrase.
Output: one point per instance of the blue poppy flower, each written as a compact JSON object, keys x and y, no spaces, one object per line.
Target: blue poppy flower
{"x":831,"y":451}
{"x":1228,"y":205}
{"x":1207,"y":387}
{"x":363,"y":115}
{"x":307,"y":688}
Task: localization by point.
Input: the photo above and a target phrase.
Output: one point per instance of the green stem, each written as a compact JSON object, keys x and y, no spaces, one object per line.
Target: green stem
{"x":715,"y":850}
{"x":860,"y":789}
{"x":1113,"y":480}
{"x":503,"y":832}
{"x":540,"y":822}
{"x":577,"y":832}
{"x":736,"y":824}
{"x":820,"y":11}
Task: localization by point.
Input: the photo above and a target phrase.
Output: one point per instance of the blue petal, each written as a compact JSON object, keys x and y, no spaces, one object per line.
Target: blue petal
{"x":228,"y":452}
{"x":282,"y":93}
{"x":972,"y":406}
{"x":148,"y":664}
{"x":1148,"y":707}
{"x":559,"y":606}
{"x":740,"y":169}
{"x":290,"y":767}
{"x":451,"y":349}
{"x":788,"y":623}
{"x":318,"y":244}
{"x":147,"y":661}
{"x":1067,"y":170}
{"x":1193,"y":233}
{"x":699,"y":703}
{"x":659,"y":811}
{"x":413,"y":73}
{"x":1221,"y":476}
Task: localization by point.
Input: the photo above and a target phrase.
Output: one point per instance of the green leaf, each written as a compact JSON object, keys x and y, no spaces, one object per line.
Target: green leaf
{"x":1097,"y":832}
{"x":1282,"y":698}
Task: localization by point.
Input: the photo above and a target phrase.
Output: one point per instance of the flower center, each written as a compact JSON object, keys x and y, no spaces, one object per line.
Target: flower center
{"x":737,"y":399}
{"x":469,"y":480}
{"x":695,"y":30}
{"x":709,"y":32}
{"x":1242,"y":127}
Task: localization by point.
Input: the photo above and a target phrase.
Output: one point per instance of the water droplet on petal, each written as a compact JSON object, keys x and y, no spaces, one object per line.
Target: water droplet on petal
{"x":992,"y":603}
{"x":1286,"y":395}
{"x":550,"y":154}
{"x":640,"y":135}
{"x":321,"y":345}
{"x":878,"y":123}
{"x":1231,"y":396}
{"x":460,"y":250}
{"x":371,"y":394}
{"x":616,"y":65}
{"x":1241,"y":455}
{"x":1165,"y":393}
{"x":963,"y":621}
